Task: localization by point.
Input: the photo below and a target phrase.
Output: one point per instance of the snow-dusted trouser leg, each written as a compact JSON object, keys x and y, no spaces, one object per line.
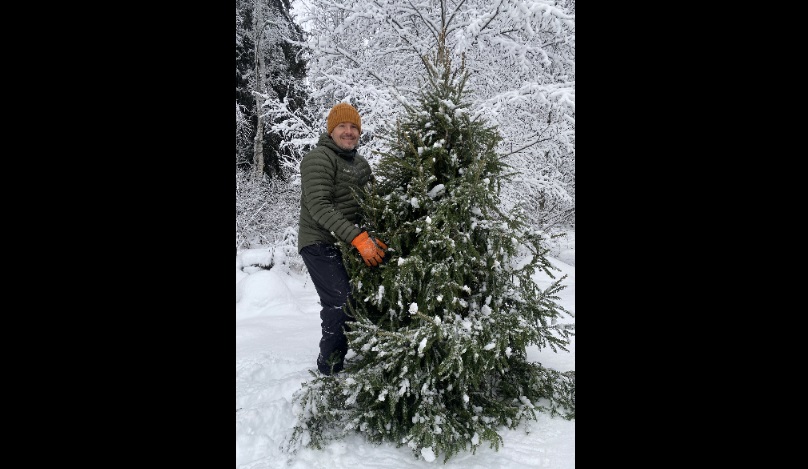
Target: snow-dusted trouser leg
{"x":330,"y":279}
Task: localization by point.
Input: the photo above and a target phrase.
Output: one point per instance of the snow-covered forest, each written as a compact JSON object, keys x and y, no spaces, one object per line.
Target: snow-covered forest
{"x":295,"y":61}
{"x":468,"y":120}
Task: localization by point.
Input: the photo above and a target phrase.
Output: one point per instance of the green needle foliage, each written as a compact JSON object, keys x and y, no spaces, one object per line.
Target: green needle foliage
{"x":442,"y":326}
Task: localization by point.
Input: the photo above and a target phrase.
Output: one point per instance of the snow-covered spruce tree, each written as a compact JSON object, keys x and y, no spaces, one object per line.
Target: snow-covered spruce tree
{"x":442,"y":327}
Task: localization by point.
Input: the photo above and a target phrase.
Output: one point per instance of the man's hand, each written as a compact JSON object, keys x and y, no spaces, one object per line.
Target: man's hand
{"x":379,"y":243}
{"x":371,"y":250}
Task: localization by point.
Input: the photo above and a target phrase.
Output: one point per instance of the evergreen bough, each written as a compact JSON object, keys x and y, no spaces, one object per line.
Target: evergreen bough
{"x":442,"y":326}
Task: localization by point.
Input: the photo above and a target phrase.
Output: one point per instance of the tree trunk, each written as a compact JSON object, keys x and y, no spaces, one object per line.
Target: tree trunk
{"x":258,"y":144}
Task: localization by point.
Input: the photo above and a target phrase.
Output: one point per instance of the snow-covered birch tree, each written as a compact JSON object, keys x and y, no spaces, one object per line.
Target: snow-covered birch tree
{"x":270,"y":71}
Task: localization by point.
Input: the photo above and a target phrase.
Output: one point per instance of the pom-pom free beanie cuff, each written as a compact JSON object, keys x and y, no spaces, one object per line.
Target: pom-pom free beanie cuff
{"x":343,"y":112}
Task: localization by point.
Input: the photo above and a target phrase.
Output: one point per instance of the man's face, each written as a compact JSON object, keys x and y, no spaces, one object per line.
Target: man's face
{"x":345,"y":135}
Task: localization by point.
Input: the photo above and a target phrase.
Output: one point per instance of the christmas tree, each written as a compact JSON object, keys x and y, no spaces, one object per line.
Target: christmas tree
{"x":442,"y":326}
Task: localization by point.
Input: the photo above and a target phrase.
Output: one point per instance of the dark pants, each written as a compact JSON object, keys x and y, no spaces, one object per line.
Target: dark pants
{"x":324,"y":263}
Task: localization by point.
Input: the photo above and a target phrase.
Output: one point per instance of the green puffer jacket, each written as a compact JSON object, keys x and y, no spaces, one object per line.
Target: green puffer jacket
{"x":328,"y":210}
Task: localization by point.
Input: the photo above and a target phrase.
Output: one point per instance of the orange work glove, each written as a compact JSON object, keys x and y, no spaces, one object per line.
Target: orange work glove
{"x":379,"y":243}
{"x":368,"y":249}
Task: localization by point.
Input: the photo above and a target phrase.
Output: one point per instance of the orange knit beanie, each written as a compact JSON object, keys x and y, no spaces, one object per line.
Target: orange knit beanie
{"x":343,"y":112}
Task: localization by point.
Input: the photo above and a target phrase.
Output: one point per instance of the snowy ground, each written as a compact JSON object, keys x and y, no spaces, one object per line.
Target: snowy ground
{"x":277,"y":334}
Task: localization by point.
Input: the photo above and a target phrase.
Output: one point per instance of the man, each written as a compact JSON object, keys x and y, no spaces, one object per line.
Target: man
{"x":328,"y":213}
